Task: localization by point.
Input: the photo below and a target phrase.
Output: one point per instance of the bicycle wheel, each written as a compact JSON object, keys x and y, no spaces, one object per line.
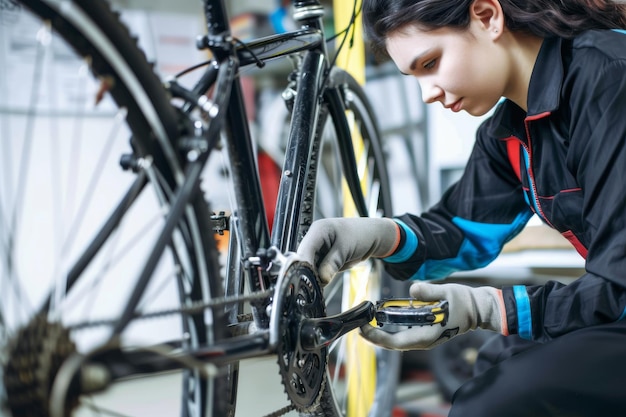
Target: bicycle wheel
{"x":76,"y":230}
{"x":361,"y":379}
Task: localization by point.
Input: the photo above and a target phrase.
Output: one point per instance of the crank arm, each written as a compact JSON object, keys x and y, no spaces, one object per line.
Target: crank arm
{"x":316,"y":333}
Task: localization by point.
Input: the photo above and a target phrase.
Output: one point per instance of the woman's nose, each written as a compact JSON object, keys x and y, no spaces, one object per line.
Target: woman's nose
{"x":431,"y":93}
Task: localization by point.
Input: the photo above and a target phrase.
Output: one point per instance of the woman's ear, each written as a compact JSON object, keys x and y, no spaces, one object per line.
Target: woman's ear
{"x":489,"y":15}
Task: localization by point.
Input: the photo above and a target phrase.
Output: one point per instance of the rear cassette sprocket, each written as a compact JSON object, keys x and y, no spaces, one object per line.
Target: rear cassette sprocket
{"x":33,"y":359}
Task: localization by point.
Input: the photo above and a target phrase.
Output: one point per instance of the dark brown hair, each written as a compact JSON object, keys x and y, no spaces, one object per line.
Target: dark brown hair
{"x":544,"y":18}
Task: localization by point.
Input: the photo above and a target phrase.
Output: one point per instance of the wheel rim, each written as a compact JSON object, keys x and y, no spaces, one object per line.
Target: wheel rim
{"x":60,"y":180}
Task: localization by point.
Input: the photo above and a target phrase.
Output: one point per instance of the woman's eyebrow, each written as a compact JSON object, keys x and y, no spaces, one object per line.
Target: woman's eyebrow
{"x":417,"y":59}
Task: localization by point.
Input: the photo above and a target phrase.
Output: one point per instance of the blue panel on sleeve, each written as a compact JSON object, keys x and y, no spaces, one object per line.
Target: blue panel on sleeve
{"x":483,"y":243}
{"x":524,"y":319}
{"x":409,"y":247}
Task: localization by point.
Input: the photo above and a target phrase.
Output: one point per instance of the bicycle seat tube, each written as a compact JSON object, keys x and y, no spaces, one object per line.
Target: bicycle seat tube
{"x":216,"y":19}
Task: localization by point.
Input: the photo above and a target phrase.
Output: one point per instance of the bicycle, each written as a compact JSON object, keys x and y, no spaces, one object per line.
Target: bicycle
{"x":143,"y":212}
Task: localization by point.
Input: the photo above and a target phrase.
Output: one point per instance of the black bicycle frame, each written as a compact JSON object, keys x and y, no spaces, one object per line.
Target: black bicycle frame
{"x":252,"y":224}
{"x":314,"y":87}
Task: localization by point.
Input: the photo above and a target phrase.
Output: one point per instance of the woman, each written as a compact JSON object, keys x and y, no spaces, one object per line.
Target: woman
{"x":554,"y":146}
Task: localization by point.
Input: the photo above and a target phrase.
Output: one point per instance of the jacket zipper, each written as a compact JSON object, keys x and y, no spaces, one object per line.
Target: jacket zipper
{"x":529,"y":170}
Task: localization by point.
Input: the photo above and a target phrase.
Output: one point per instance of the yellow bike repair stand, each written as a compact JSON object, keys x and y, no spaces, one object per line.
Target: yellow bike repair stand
{"x":352,"y":59}
{"x":361,"y":361}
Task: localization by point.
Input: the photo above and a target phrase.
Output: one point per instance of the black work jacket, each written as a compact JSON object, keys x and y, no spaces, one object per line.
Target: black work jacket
{"x":565,"y":160}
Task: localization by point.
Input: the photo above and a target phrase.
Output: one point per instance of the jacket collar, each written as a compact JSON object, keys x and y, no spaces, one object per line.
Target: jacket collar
{"x":544,"y":91}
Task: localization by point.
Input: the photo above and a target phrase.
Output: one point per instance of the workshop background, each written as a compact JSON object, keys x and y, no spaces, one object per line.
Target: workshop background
{"x":427,"y":147}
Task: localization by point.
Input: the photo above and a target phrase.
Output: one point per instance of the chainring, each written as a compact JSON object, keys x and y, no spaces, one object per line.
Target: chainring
{"x":302,"y":371}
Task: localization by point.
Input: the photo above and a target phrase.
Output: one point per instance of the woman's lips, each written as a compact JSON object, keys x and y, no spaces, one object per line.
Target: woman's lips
{"x":456,"y":106}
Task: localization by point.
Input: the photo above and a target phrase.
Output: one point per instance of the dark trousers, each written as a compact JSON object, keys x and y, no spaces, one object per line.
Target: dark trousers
{"x":580,"y":374}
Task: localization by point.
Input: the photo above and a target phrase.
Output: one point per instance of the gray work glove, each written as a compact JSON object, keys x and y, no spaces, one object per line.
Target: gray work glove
{"x":468,"y":309}
{"x":337,"y":244}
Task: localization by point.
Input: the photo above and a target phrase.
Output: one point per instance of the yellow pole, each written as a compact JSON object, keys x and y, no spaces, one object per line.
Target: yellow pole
{"x":351,"y":59}
{"x":361,"y":359}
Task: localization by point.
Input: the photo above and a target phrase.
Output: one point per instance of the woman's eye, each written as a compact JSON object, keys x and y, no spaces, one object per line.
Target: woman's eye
{"x":430,"y":64}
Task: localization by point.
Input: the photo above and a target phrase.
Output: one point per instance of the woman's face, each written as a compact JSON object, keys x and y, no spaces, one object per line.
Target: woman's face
{"x":464,"y":70}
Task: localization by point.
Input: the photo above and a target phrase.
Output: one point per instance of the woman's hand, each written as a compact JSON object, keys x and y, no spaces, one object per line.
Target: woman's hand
{"x":337,"y":244}
{"x":468,"y":309}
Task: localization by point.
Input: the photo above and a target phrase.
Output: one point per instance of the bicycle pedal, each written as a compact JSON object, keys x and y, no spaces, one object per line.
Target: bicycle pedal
{"x":394,"y":315}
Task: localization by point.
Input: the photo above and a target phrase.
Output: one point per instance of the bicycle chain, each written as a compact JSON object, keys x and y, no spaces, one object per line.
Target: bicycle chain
{"x":195,"y":307}
{"x":282,"y":411}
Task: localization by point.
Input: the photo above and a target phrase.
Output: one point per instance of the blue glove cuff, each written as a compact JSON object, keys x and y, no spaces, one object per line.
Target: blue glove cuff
{"x":524,"y":318}
{"x":407,"y":249}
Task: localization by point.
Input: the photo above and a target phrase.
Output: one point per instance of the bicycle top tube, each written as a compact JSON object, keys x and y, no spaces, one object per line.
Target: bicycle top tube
{"x":276,"y":46}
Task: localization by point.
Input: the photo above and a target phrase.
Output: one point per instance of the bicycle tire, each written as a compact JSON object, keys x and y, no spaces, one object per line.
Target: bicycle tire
{"x":144,"y":117}
{"x":360,"y":398}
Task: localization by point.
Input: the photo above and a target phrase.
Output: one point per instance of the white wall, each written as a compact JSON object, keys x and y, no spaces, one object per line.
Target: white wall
{"x":452,"y":137}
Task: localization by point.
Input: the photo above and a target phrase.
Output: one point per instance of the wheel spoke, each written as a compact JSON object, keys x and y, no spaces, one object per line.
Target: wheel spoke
{"x":60,"y":182}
